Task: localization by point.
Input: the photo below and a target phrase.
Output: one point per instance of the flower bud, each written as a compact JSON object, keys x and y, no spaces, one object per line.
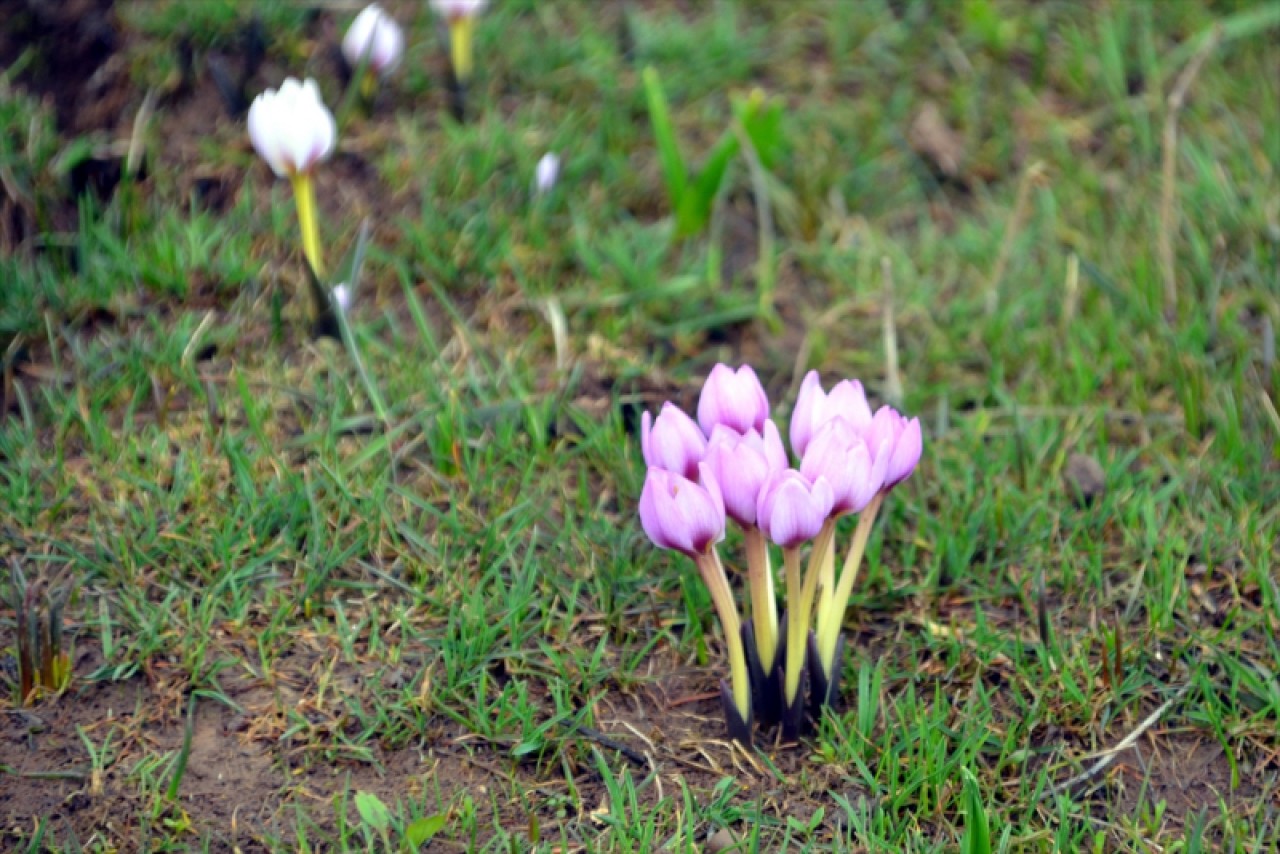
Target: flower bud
{"x":682,"y":515}
{"x":839,"y":454}
{"x":672,"y":441}
{"x":342,"y":297}
{"x":734,"y":399}
{"x":814,"y":408}
{"x":904,"y":442}
{"x":742,"y":464}
{"x":291,"y":128}
{"x":546,"y":173}
{"x":376,"y":33}
{"x":792,"y":509}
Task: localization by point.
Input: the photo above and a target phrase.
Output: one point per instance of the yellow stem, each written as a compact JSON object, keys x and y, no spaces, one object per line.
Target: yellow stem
{"x":369,"y":85}
{"x":764,"y":611}
{"x":800,"y":611}
{"x":304,"y":194}
{"x":822,"y":563}
{"x":830,"y":620}
{"x":797,"y":624}
{"x":461,"y":30}
{"x":712,"y":572}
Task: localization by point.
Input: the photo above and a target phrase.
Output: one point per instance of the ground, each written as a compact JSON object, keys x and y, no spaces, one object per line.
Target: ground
{"x":1050,"y":230}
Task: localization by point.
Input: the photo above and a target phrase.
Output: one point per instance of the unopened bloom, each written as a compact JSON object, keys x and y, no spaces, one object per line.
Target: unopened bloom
{"x":546,"y":173}
{"x":904,"y":440}
{"x":680,"y":514}
{"x":792,"y":509}
{"x":814,"y":408}
{"x":342,"y":297}
{"x":375,"y":33}
{"x":672,"y":441}
{"x":688,"y":517}
{"x":742,"y":464}
{"x":291,"y":128}
{"x":734,"y":399}
{"x":843,"y":457}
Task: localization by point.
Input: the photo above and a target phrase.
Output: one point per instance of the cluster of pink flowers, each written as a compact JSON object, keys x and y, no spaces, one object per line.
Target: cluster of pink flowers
{"x":731,"y":464}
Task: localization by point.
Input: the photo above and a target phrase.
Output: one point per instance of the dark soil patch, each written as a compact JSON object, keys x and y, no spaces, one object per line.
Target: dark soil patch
{"x":70,"y":59}
{"x":74,"y":60}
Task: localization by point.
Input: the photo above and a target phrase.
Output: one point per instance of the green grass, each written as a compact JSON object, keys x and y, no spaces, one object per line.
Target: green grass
{"x":454,"y":610}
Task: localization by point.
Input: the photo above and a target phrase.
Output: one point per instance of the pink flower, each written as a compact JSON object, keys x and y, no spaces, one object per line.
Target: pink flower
{"x":904,"y":441}
{"x":814,"y":408}
{"x":734,"y":399}
{"x":682,"y":515}
{"x":839,"y":454}
{"x":792,"y":509}
{"x":741,"y":464}
{"x":672,"y":441}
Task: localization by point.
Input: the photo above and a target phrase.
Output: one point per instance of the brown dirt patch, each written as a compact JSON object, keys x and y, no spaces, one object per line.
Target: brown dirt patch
{"x":245,"y":776}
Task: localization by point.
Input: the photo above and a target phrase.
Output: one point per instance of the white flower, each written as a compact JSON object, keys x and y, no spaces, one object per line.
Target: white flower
{"x":292,"y":129}
{"x":548,"y":170}
{"x":342,"y":297}
{"x":376,"y":33}
{"x":452,"y":9}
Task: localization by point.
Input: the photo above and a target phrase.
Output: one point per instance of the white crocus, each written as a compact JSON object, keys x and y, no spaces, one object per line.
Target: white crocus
{"x":293,"y":130}
{"x":376,"y":33}
{"x":546,"y":173}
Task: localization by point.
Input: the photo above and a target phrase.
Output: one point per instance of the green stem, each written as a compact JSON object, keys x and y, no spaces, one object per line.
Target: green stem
{"x":764,"y":609}
{"x":830,"y":619}
{"x":712,"y":572}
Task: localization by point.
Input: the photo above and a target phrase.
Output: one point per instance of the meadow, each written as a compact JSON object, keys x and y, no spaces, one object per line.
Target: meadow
{"x":387,"y":587}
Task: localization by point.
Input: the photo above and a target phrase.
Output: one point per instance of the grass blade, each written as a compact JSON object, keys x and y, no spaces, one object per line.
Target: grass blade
{"x":674,"y":171}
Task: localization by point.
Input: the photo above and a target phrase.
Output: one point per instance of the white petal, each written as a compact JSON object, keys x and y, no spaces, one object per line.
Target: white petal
{"x":264,"y":131}
{"x":357,"y":39}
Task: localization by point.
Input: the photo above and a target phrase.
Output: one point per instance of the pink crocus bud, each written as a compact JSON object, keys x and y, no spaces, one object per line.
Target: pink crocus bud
{"x":904,"y":441}
{"x":672,"y":441}
{"x":841,"y":455}
{"x":680,"y":514}
{"x":741,"y":464}
{"x":792,"y":508}
{"x":814,"y":408}
{"x":734,"y":399}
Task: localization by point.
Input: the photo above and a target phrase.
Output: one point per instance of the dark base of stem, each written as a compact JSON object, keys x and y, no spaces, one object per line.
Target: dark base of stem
{"x":766,"y":688}
{"x":457,"y":94}
{"x":824,"y":688}
{"x":792,"y":714}
{"x":326,"y":321}
{"x":739,"y":728}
